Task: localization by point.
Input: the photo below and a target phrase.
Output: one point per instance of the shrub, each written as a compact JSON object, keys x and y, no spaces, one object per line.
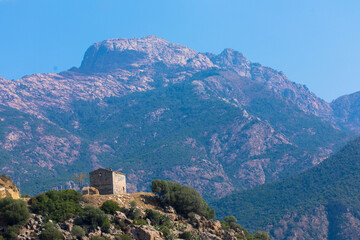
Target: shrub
{"x":110,"y":207}
{"x":50,"y":232}
{"x":230,"y":219}
{"x":166,"y":232}
{"x":94,"y":216}
{"x":140,"y":221}
{"x":105,"y":227}
{"x":13,"y":212}
{"x":131,"y":212}
{"x":11,"y":232}
{"x":123,"y":237}
{"x":225,"y":225}
{"x":187,"y":235}
{"x":77,"y":231}
{"x":97,"y":238}
{"x":230,"y":222}
{"x":133,"y":204}
{"x":262,"y":235}
{"x":157,"y":218}
{"x":183,"y":199}
{"x":57,"y":205}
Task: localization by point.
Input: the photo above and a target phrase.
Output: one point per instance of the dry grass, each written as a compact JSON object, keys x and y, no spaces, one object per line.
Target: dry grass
{"x":143,"y":200}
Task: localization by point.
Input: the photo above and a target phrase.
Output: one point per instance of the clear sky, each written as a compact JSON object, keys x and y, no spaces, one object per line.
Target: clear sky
{"x":314,"y":42}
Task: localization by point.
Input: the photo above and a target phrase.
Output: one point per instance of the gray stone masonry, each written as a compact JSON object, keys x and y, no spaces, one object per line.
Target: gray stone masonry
{"x":108,"y":181}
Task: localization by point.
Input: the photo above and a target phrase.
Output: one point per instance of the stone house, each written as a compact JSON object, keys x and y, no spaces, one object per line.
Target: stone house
{"x":108,"y":181}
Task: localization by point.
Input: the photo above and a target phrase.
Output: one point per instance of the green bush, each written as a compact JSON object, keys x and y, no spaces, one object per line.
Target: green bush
{"x":187,"y":235}
{"x":97,"y":238}
{"x":230,"y":219}
{"x":123,"y":237}
{"x":105,"y":227}
{"x":140,"y":221}
{"x":184,"y":199}
{"x":11,"y":232}
{"x":157,"y":218}
{"x":225,"y":225}
{"x":50,"y":232}
{"x":78,"y":231}
{"x":110,"y":207}
{"x":261,"y":235}
{"x":94,"y":216}
{"x":168,"y":235}
{"x":133,"y":212}
{"x":13,"y":212}
{"x":57,"y":205}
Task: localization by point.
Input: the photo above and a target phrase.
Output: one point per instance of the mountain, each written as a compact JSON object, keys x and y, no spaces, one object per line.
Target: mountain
{"x":154,"y":109}
{"x":321,"y":203}
{"x":347,"y":111}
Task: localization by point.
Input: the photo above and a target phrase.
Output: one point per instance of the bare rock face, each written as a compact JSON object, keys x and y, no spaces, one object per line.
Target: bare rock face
{"x":7,"y":188}
{"x":126,"y":53}
{"x":145,"y":233}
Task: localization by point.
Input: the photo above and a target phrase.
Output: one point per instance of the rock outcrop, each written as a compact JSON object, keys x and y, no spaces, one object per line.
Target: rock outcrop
{"x":8,"y":188}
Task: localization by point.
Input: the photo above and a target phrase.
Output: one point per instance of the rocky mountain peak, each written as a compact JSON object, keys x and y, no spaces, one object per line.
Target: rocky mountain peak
{"x":231,"y":57}
{"x":234,"y":60}
{"x":124,"y":53}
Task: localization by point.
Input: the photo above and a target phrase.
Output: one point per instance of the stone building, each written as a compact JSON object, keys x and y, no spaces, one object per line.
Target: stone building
{"x":108,"y":181}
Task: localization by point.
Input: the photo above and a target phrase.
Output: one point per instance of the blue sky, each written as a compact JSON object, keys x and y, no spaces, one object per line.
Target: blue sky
{"x":316,"y":43}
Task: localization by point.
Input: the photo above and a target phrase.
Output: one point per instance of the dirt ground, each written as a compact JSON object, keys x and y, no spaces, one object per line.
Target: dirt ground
{"x":144,"y":200}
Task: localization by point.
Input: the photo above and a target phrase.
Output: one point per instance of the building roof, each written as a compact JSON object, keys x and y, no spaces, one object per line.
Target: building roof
{"x":108,"y":170}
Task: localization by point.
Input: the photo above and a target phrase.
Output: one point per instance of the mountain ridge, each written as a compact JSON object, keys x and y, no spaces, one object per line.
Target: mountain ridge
{"x":242,"y":145}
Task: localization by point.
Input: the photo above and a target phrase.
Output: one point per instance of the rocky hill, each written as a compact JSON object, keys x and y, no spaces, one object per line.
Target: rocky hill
{"x":321,"y":203}
{"x":154,"y":109}
{"x":67,"y":214}
{"x":124,"y":227}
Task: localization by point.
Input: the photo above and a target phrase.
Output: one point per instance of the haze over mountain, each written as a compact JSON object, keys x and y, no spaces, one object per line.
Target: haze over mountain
{"x":154,"y":109}
{"x":321,"y":203}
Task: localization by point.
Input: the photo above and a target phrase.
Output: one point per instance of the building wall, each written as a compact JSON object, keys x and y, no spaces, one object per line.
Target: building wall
{"x":102,"y":180}
{"x":119,"y":183}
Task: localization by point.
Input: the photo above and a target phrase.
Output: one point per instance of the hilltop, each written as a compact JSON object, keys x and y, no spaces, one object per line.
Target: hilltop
{"x":67,"y":214}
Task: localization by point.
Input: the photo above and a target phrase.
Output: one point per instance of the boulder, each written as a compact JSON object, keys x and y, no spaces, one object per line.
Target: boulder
{"x":145,"y":233}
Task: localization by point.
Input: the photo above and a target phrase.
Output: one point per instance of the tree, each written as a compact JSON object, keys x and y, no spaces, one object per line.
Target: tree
{"x":13,"y":212}
{"x":183,"y":199}
{"x":57,"y":205}
{"x":79,"y":179}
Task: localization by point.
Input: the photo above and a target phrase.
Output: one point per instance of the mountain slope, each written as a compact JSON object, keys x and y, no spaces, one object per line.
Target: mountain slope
{"x":155,"y":109}
{"x":347,"y":111}
{"x":321,"y":203}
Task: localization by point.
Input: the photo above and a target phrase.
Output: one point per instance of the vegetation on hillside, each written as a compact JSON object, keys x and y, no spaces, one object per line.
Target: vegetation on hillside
{"x":184,"y":199}
{"x":334,"y":183}
{"x":63,"y":214}
{"x":57,"y":205}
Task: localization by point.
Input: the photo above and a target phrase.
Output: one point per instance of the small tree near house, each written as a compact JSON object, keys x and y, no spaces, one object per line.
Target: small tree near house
{"x":79,"y":179}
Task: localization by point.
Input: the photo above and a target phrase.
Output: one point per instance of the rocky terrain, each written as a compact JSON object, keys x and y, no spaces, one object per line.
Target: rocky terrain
{"x":8,"y":188}
{"x":154,"y":109}
{"x":138,"y":216}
